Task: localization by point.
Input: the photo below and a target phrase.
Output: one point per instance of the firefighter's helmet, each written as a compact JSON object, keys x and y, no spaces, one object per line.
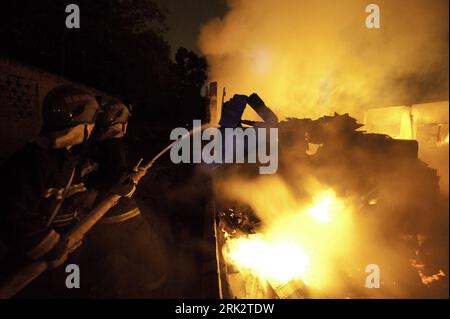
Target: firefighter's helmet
{"x":67,"y":106}
{"x":113,"y":112}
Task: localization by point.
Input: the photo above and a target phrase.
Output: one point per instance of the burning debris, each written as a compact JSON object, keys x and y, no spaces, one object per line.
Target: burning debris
{"x":292,"y":251}
{"x":309,"y":230}
{"x":240,"y":221}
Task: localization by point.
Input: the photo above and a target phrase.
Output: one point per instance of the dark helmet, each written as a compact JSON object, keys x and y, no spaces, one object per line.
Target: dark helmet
{"x":66,"y":106}
{"x":113,"y":112}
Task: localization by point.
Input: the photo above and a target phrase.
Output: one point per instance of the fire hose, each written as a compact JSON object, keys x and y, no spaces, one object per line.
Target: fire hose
{"x":72,"y":240}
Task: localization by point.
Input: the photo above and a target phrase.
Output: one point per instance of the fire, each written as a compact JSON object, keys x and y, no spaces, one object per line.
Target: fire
{"x":313,"y":242}
{"x":427,"y":280}
{"x":296,"y":245}
{"x":270,"y":260}
{"x":321,"y":212}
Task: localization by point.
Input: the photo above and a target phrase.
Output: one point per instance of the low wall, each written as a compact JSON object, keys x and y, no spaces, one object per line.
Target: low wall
{"x":22,"y":90}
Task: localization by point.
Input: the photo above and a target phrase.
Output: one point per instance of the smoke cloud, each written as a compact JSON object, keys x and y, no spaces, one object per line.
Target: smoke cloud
{"x":310,"y":58}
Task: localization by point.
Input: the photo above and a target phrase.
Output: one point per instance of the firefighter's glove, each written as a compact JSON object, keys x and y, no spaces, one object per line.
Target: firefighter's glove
{"x":125,"y":187}
{"x":137,"y":174}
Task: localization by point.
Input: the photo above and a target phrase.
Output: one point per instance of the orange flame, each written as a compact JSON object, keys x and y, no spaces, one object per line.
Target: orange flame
{"x":294,"y":247}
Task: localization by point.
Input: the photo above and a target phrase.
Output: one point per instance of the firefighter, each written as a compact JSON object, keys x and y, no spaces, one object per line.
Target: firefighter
{"x":125,"y":265}
{"x":41,"y":176}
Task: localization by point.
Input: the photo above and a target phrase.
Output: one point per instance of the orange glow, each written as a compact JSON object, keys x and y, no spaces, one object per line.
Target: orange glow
{"x":321,"y":211}
{"x":296,"y":245}
{"x":270,"y":260}
{"x":314,"y":57}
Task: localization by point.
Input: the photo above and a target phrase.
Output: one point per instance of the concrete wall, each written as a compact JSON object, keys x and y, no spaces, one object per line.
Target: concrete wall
{"x":22,"y":90}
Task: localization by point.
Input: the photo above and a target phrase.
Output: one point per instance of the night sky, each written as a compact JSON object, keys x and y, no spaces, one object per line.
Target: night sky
{"x":185,"y":17}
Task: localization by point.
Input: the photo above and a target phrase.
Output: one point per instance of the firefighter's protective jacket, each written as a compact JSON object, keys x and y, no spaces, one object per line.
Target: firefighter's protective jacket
{"x":33,"y":180}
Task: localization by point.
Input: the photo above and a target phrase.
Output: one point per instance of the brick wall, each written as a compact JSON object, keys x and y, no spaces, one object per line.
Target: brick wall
{"x":22,"y":90}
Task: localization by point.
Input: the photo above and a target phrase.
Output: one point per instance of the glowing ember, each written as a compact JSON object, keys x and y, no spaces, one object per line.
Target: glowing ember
{"x":426,"y":279}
